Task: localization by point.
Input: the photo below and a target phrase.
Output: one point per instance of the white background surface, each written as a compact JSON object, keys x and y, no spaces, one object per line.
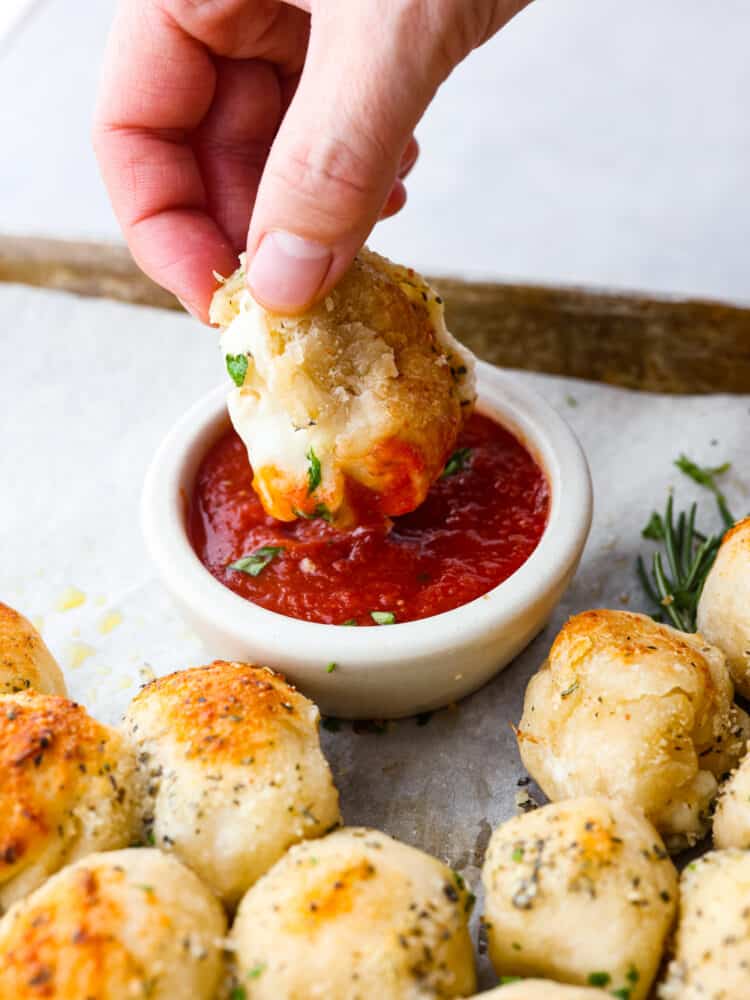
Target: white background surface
{"x":82,"y":414}
{"x":600,"y":142}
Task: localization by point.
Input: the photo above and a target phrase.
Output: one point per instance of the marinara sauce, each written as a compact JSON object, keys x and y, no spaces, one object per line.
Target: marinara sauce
{"x":479,"y":523}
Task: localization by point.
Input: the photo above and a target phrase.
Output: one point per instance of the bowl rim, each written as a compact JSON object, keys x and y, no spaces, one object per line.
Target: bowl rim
{"x":539,"y":427}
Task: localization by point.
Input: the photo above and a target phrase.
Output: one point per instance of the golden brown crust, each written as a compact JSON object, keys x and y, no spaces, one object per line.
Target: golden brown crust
{"x":47,"y":747}
{"x":25,"y":661}
{"x":628,"y":708}
{"x":229,"y":753}
{"x":126,"y":924}
{"x":226,"y":711}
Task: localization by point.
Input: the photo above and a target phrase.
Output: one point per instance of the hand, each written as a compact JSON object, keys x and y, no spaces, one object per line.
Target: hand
{"x":285,"y":128}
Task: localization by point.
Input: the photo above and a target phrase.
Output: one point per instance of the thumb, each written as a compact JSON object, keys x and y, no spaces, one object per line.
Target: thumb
{"x":336,"y":157}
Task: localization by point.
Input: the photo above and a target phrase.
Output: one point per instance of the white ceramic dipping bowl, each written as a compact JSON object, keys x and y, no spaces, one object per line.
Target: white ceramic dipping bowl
{"x":382,"y":671}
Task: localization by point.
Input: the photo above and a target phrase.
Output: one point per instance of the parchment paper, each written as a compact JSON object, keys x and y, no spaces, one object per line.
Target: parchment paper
{"x":87,"y":390}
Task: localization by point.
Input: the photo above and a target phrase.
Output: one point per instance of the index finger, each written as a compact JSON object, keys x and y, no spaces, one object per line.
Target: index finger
{"x":157,"y":87}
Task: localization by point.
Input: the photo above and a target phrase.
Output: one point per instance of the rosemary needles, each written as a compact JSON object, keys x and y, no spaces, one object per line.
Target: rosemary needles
{"x":679,"y":570}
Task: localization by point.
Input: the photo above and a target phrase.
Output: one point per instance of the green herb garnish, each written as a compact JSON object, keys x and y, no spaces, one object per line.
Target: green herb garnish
{"x":313,"y":471}
{"x":517,"y":854}
{"x":237,"y":367}
{"x":254,"y":564}
{"x":238,"y":993}
{"x":321,"y":512}
{"x":331,"y":667}
{"x":599,"y":979}
{"x":256,"y":970}
{"x":679,"y":571}
{"x":456,"y":463}
{"x":624,"y":993}
{"x":350,"y":621}
{"x":507,"y":980}
{"x":383,"y":617}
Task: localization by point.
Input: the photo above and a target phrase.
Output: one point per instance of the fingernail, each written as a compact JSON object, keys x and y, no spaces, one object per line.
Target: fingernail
{"x":287,"y":271}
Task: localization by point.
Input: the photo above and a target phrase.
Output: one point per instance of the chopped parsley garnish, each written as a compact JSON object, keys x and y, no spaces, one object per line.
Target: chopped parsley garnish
{"x":350,"y":621}
{"x":517,"y":854}
{"x":599,"y":979}
{"x":313,"y":471}
{"x":256,"y":970}
{"x":383,"y":617}
{"x":632,"y":975}
{"x":507,"y":980}
{"x":456,"y":463}
{"x":237,"y":367}
{"x":238,"y":993}
{"x":321,"y":511}
{"x":254,"y":564}
{"x":623,"y":993}
{"x":331,"y":667}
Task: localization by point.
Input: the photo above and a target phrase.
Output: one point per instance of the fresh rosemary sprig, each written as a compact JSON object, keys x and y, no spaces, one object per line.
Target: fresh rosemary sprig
{"x":679,"y":572}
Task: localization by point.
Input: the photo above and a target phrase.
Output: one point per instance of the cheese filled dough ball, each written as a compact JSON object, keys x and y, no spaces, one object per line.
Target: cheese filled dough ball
{"x":231,"y":770}
{"x":712,"y":944}
{"x":724,"y":606}
{"x":630,"y":709}
{"x":732,"y":817}
{"x":124,"y":925}
{"x":350,"y":410}
{"x":66,"y":790}
{"x":541,"y":989}
{"x":582,"y":891}
{"x":355,"y":915}
{"x":25,"y":661}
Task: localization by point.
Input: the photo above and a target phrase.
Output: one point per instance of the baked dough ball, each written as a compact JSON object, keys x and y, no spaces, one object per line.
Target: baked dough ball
{"x":66,"y":789}
{"x":25,"y":661}
{"x":712,"y":945}
{"x":630,"y":709}
{"x":581,"y":891}
{"x":732,"y":816}
{"x":354,"y":916}
{"x":231,"y":770}
{"x":125,"y":925}
{"x":541,"y":989}
{"x":350,"y":410}
{"x":724,"y":607}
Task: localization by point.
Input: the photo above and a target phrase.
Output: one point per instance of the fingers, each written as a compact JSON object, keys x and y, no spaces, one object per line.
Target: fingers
{"x":234,"y":139}
{"x":158,"y":86}
{"x":346,"y":138}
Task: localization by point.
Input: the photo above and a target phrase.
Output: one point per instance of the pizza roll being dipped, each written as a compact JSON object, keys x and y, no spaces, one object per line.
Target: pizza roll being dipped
{"x":25,"y":661}
{"x":582,"y":891}
{"x":724,"y":606}
{"x":123,"y":925}
{"x":350,"y":410}
{"x":712,"y":944}
{"x":627,"y":708}
{"x":66,"y":790}
{"x":231,"y":770}
{"x":355,"y":914}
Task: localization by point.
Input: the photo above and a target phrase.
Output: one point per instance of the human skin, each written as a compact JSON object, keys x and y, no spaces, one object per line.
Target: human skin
{"x":282,"y":128}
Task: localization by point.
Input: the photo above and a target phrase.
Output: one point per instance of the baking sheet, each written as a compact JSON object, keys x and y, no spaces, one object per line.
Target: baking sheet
{"x":87,"y":390}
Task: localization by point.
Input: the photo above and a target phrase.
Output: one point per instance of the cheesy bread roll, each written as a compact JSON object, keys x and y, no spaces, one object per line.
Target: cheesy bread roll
{"x":712,"y":945}
{"x":542,"y":989}
{"x":25,"y":661}
{"x":231,"y":770}
{"x":355,"y":914}
{"x":66,"y":790}
{"x":349,"y":411}
{"x":582,"y":891}
{"x":724,"y":606}
{"x":124,"y":925}
{"x":630,"y":709}
{"x":732,"y":816}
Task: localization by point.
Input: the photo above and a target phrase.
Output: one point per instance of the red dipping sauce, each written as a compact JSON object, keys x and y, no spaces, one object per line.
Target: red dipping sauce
{"x":476,"y":527}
